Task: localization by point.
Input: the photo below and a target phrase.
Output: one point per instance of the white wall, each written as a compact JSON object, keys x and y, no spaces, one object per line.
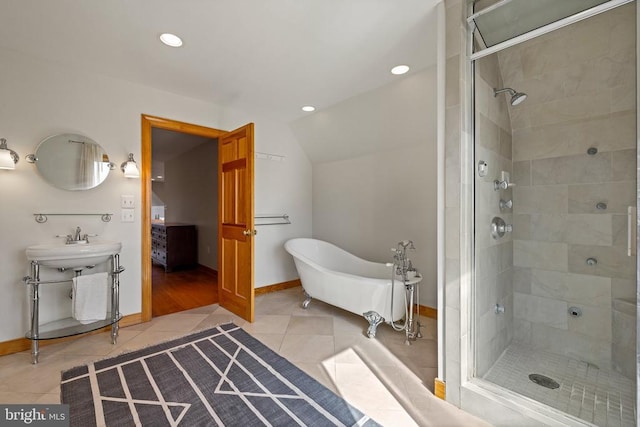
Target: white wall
{"x":367,"y":205}
{"x":40,"y":99}
{"x":191,"y":196}
{"x":383,"y":188}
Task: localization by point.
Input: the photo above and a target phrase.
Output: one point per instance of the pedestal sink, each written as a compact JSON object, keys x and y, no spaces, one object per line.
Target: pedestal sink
{"x":76,"y":255}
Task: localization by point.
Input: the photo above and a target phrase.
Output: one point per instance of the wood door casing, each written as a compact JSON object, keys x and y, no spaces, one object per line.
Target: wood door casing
{"x":147,"y":124}
{"x":236,"y":222}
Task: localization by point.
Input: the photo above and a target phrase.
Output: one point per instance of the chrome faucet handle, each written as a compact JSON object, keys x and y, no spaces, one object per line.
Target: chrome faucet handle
{"x":69,"y":237}
{"x":502,"y":185}
{"x":505,"y":204}
{"x":86,"y":236}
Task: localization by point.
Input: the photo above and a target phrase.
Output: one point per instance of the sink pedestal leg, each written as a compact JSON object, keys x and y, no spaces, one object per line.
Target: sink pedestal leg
{"x":35,"y":307}
{"x":115,"y":297}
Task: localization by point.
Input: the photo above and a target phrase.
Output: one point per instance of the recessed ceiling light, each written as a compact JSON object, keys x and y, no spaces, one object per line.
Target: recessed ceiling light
{"x":171,"y":40}
{"x":399,"y":69}
{"x":308,"y":108}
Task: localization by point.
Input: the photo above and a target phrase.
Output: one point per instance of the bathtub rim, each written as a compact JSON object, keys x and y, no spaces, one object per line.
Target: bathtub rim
{"x":296,"y":254}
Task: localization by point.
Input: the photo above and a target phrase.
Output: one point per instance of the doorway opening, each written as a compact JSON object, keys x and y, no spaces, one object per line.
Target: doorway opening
{"x":179,"y":216}
{"x":184,"y":223}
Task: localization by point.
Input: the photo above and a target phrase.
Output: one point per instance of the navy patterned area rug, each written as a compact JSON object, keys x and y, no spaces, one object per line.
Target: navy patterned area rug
{"x":221,"y":376}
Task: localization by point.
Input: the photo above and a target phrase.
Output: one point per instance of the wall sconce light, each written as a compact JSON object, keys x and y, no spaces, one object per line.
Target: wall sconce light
{"x":130,"y":168}
{"x":8,"y":157}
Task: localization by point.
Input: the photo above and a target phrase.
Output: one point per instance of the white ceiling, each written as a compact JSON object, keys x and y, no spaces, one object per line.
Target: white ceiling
{"x":269,"y":57}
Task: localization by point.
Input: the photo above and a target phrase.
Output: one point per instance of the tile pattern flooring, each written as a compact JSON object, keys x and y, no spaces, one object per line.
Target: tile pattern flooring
{"x":599,"y":396}
{"x":383,"y":377}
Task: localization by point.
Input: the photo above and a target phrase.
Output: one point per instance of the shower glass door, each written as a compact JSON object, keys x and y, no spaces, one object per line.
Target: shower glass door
{"x":555,"y":197}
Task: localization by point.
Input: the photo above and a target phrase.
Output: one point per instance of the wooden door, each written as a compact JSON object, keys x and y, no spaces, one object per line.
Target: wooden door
{"x":235,"y":222}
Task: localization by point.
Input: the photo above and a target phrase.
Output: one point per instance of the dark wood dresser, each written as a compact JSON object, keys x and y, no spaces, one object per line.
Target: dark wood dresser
{"x":174,"y":245}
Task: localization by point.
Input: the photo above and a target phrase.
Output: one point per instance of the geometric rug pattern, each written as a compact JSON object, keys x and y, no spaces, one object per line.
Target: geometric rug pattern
{"x":221,"y":376}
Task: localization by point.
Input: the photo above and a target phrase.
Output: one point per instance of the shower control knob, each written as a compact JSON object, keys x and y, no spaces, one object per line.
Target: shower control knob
{"x":499,"y":227}
{"x":505,"y":204}
{"x":502,"y":185}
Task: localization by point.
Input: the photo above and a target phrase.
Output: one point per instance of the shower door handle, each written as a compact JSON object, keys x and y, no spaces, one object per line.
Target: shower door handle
{"x":632,"y":235}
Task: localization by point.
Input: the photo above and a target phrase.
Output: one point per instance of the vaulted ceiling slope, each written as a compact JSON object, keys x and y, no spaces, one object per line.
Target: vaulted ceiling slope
{"x":396,"y":115}
{"x":269,"y":57}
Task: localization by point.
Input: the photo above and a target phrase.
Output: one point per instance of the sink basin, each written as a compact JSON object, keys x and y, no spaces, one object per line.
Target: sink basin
{"x":73,"y":255}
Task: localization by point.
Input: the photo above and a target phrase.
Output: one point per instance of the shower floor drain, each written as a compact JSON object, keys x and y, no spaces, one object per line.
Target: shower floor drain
{"x":544,"y":381}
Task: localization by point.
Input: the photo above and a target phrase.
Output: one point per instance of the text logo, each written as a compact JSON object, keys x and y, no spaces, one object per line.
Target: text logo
{"x":34,"y":415}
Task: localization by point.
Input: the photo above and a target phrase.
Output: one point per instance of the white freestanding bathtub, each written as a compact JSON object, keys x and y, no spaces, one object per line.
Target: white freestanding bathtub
{"x":339,"y":278}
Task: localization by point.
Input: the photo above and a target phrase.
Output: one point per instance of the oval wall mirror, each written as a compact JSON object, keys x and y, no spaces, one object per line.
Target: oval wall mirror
{"x":72,"y":162}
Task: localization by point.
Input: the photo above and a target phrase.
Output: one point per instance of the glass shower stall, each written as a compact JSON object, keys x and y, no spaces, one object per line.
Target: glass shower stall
{"x":555,"y":194}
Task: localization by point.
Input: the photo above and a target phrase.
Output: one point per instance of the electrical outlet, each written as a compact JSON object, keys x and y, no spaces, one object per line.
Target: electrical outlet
{"x":127,"y":215}
{"x":127,"y":202}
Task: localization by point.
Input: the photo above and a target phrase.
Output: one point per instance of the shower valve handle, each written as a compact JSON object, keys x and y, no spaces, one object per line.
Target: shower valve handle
{"x":499,"y":228}
{"x":505,"y":204}
{"x":502,"y":185}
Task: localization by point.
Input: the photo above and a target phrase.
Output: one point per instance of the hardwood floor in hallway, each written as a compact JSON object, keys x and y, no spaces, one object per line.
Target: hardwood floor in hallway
{"x":182,"y":289}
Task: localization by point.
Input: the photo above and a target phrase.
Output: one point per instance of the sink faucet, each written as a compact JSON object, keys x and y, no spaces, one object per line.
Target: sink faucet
{"x":77,"y":237}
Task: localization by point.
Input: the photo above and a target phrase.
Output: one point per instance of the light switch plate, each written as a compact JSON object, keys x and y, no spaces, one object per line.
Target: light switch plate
{"x":128,"y":215}
{"x":127,"y":202}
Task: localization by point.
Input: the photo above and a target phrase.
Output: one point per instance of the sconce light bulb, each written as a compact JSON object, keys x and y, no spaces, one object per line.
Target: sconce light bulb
{"x":8,"y":157}
{"x":130,"y":168}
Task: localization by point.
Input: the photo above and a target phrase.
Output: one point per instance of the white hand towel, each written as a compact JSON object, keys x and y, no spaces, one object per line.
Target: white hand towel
{"x":90,"y":297}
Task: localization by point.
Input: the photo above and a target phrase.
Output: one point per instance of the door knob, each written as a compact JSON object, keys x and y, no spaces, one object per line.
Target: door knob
{"x":250,"y":232}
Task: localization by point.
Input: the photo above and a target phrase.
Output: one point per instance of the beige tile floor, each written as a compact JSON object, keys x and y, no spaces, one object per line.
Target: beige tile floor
{"x":383,"y":377}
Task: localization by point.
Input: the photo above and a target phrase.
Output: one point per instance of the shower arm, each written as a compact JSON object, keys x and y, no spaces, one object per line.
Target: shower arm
{"x":497,"y":92}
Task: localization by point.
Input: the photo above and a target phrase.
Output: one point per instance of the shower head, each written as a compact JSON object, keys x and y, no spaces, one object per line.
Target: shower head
{"x":516,"y":97}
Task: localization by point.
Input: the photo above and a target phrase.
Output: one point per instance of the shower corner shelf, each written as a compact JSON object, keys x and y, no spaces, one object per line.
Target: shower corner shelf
{"x":69,"y":326}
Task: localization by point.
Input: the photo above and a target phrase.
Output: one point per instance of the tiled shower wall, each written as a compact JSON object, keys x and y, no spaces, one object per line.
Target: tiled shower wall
{"x":580,"y":82}
{"x":494,"y":258}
